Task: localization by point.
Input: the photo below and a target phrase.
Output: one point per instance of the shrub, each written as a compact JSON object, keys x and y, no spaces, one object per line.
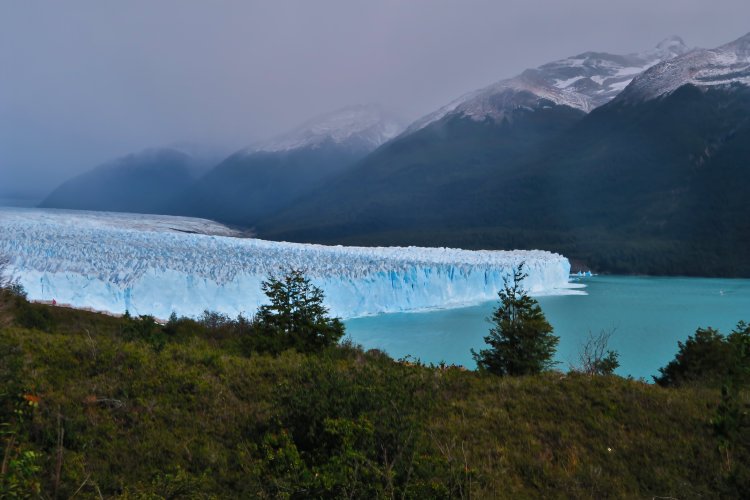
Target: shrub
{"x":35,"y":316}
{"x":521,"y":342}
{"x":19,"y":472}
{"x":710,"y":358}
{"x":595,"y":358}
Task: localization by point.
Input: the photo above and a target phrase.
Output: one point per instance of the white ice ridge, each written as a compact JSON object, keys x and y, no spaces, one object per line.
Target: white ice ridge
{"x":152,"y":266}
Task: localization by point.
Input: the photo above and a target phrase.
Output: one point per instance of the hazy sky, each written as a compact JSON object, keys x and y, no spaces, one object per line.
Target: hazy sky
{"x":82,"y":82}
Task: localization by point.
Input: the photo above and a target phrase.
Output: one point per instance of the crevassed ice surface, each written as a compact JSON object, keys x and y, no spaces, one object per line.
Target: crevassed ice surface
{"x":158,"y":265}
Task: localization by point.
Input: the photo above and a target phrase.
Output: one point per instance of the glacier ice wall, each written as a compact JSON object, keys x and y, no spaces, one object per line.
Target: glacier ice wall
{"x":158,"y":265}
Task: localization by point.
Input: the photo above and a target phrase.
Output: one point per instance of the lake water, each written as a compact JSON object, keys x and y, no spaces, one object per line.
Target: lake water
{"x":648,"y":315}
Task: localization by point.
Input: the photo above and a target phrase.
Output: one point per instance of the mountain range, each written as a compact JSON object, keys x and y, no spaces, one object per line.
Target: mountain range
{"x":139,"y":182}
{"x":260,"y":180}
{"x":624,"y":163}
{"x":250,"y":183}
{"x":582,"y":82}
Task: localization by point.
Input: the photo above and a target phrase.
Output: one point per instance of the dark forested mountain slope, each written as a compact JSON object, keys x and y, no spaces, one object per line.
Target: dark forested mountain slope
{"x":139,"y":182}
{"x":654,"y":181}
{"x":259,"y":180}
{"x":247,"y":186}
{"x":427,"y":180}
{"x":255,"y":183}
{"x":649,"y":186}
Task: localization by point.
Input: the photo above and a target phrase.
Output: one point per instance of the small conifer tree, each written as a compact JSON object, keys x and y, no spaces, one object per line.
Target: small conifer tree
{"x":295,"y":317}
{"x":521,"y":341}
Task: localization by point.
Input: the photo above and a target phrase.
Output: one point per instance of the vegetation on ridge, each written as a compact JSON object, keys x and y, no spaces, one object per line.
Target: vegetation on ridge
{"x":97,"y":406}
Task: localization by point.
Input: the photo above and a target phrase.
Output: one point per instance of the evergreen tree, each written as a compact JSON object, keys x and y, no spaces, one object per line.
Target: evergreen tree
{"x":521,"y":341}
{"x":295,"y":318}
{"x":710,"y":358}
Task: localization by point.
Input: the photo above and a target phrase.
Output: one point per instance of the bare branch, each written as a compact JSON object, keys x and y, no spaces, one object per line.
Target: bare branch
{"x":595,"y":357}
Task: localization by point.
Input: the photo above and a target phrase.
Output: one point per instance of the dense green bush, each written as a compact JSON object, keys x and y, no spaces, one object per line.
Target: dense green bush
{"x":708,"y":357}
{"x":711,"y":359}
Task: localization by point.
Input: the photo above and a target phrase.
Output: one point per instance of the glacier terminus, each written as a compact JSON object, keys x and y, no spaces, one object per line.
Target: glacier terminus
{"x":158,"y":265}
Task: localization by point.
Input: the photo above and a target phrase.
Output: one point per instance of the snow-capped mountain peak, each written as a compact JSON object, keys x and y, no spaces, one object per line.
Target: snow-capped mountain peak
{"x":583,"y":82}
{"x":741,"y":47}
{"x":670,"y":48}
{"x":362,"y":126}
{"x":726,"y":65}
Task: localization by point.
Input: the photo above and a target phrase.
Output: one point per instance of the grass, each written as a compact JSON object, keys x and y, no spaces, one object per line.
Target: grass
{"x":193,"y":417}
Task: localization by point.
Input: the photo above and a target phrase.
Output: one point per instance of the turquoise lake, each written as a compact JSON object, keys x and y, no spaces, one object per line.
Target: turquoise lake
{"x":648,"y":315}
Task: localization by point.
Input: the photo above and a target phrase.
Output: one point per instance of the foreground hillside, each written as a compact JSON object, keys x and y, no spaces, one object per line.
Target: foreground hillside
{"x":123,"y":407}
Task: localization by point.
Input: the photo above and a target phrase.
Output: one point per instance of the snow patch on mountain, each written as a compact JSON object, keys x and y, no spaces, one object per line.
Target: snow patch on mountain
{"x":361,"y":127}
{"x":726,"y":65}
{"x":583,"y":82}
{"x":152,"y":265}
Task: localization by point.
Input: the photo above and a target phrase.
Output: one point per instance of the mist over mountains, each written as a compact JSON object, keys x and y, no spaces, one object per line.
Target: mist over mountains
{"x":139,"y":182}
{"x":250,"y":183}
{"x":260,"y":180}
{"x":625,"y":163}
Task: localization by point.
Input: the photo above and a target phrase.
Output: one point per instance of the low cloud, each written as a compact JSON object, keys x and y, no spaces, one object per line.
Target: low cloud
{"x":85,"y":81}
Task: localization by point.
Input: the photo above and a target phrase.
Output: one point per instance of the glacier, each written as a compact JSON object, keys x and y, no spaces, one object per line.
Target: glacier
{"x":158,"y":265}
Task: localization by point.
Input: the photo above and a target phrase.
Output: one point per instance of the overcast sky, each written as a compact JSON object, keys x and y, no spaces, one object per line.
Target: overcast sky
{"x":82,"y":82}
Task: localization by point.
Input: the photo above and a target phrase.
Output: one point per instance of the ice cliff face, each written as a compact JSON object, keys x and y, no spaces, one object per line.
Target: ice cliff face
{"x":584,"y":82}
{"x":156,"y":265}
{"x":358,"y":127}
{"x":721,"y":67}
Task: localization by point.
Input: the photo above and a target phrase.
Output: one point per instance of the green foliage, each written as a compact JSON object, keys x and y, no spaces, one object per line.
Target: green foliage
{"x":710,"y":358}
{"x":295,"y":318}
{"x":17,"y":290}
{"x":608,"y":364}
{"x":360,"y":433}
{"x":19,"y":465}
{"x":595,"y":357}
{"x":13,"y":302}
{"x":731,"y":426}
{"x":21,"y":477}
{"x":521,"y":340}
{"x":144,"y":328}
{"x":196,"y":418}
{"x":35,"y":316}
